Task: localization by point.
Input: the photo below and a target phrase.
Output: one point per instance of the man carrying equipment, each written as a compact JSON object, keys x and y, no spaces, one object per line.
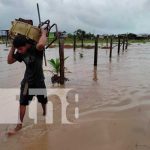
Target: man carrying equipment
{"x":32,"y":56}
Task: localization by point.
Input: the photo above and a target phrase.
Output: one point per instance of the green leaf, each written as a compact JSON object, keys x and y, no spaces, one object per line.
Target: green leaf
{"x":55,"y":63}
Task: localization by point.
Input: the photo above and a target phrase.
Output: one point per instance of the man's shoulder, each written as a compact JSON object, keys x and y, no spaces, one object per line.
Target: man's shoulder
{"x":34,"y":50}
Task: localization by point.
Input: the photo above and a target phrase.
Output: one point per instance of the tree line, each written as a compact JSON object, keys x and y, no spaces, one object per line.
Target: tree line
{"x":80,"y":34}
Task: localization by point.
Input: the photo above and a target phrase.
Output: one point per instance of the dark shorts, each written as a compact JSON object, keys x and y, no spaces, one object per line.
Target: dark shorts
{"x":25,"y":97}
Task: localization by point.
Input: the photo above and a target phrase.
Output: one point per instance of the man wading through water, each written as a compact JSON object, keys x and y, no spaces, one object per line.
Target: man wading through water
{"x":32,"y":56}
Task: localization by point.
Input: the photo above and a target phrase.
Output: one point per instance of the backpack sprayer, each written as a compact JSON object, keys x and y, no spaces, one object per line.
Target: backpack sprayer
{"x":33,"y":33}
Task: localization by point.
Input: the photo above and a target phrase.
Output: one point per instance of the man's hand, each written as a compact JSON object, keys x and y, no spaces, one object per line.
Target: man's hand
{"x":10,"y":59}
{"x":42,"y":41}
{"x":43,"y":31}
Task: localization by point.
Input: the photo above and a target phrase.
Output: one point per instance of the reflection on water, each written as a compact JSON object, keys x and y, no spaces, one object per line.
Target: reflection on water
{"x":118,"y":85}
{"x":95,"y":74}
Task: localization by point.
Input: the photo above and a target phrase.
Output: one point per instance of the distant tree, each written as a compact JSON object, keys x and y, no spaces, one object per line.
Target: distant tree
{"x":132,"y":36}
{"x":89,"y":36}
{"x":80,"y":33}
{"x":64,"y":32}
{"x":70,"y":35}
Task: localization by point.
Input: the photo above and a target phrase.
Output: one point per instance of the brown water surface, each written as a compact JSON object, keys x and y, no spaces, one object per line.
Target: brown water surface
{"x":114,"y":101}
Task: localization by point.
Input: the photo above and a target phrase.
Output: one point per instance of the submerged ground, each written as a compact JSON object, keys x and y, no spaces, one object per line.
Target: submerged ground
{"x":114,"y":103}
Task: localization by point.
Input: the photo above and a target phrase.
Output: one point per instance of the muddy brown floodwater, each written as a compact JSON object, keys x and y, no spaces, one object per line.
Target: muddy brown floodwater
{"x":114,"y":102}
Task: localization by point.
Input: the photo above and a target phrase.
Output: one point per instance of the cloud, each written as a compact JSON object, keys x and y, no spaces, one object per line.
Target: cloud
{"x":98,"y":16}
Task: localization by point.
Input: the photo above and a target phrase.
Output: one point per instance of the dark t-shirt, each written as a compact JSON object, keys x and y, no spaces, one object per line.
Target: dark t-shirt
{"x":33,"y":60}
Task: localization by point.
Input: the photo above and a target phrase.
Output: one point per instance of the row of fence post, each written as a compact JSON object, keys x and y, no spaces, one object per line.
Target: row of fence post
{"x":123,"y":41}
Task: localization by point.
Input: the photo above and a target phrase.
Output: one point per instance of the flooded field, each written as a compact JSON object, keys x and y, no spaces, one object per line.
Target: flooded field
{"x":114,"y":102}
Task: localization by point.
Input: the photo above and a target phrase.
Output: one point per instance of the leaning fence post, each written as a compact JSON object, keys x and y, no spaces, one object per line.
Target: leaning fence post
{"x":74,"y":43}
{"x":111,"y":44}
{"x":96,"y":51}
{"x":61,"y":55}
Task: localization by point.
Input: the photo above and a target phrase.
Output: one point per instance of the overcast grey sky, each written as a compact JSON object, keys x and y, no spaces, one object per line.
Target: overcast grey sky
{"x":96,"y":16}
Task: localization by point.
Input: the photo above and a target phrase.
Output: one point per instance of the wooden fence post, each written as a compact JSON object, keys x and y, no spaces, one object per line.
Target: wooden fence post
{"x":74,"y":43}
{"x":61,"y":55}
{"x":111,"y":44}
{"x":107,"y":41}
{"x":123,"y":46}
{"x":7,"y":37}
{"x":118,"y":45}
{"x":127,"y":42}
{"x":96,"y":51}
{"x":82,"y":44}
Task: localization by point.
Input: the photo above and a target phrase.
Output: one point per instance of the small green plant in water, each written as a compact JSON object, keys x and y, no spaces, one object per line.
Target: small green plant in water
{"x":55,"y":64}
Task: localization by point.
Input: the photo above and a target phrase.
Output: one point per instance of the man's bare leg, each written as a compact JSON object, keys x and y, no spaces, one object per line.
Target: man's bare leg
{"x":22,"y":111}
{"x":22,"y":114}
{"x":44,"y":109}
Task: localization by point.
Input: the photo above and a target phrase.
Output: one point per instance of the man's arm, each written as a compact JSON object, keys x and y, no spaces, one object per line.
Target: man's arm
{"x":42,"y":41}
{"x":10,"y":58}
